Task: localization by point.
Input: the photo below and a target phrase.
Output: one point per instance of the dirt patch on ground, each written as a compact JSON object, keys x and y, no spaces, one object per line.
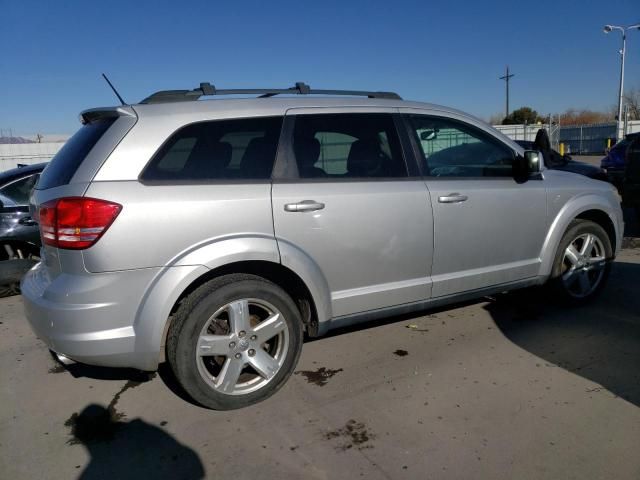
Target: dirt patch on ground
{"x":57,"y":368}
{"x":354,"y":435}
{"x":320,"y":376}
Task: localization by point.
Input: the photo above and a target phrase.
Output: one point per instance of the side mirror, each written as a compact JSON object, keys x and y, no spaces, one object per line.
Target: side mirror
{"x":534,"y":160}
{"x":429,"y":135}
{"x":526,"y":165}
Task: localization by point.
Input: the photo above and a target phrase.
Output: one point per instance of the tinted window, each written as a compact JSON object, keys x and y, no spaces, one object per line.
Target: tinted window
{"x":347,"y":145}
{"x":221,"y":149}
{"x":65,"y":163}
{"x":19,"y":190}
{"x":455,"y":149}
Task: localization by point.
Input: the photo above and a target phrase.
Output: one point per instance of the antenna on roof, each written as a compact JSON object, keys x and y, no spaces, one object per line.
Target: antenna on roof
{"x":114,"y":90}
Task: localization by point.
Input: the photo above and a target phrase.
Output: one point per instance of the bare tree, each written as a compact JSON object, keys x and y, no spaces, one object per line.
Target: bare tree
{"x":496,"y":118}
{"x":584,"y":117}
{"x":632,"y":100}
{"x":39,"y":137}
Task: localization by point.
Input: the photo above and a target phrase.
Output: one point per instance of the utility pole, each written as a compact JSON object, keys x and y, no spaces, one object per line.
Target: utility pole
{"x":506,"y":78}
{"x":608,"y":29}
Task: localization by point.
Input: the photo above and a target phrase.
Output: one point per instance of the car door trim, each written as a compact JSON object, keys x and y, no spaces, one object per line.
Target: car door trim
{"x":406,"y":308}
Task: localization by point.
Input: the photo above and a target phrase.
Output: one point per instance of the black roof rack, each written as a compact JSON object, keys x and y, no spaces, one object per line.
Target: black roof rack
{"x":300,"y":88}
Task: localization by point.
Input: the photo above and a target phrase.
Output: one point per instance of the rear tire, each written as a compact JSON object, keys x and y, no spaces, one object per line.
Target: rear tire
{"x":234,"y":341}
{"x":582,"y":263}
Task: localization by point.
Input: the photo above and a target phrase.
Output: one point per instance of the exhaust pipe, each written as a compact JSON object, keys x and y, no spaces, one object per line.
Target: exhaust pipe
{"x":63,"y":359}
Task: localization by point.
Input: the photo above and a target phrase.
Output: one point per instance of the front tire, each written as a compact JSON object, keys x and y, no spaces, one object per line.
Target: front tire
{"x":234,"y":341}
{"x":582,"y":262}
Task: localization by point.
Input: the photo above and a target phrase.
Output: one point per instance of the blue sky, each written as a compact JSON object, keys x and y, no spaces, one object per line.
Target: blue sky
{"x":450,"y":53}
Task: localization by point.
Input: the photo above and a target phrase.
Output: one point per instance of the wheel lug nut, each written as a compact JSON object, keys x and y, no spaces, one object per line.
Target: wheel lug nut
{"x":242,"y":333}
{"x":252,"y":352}
{"x":238,"y":356}
{"x":254,"y":338}
{"x":232,"y":345}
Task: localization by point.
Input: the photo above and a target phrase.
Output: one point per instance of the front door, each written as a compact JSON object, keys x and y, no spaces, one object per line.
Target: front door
{"x":350,"y":205}
{"x":488,"y":229}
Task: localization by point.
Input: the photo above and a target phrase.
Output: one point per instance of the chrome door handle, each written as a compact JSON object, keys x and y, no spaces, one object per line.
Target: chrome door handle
{"x":303,"y":206}
{"x":452,"y":198}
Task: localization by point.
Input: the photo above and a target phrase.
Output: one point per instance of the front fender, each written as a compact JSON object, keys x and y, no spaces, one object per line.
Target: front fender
{"x":569,"y":211}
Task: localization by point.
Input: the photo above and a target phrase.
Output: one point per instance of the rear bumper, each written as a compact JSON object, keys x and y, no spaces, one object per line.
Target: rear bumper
{"x":89,"y":318}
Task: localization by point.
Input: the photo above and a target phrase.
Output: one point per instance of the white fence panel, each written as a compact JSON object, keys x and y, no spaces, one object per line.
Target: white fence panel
{"x":12,"y":154}
{"x":520,"y":132}
{"x":633,"y":126}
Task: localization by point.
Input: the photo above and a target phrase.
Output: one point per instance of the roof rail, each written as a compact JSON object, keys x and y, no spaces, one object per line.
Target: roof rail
{"x":300,"y":88}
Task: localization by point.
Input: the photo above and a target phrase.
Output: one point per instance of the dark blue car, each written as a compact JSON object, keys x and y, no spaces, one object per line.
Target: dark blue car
{"x":566,"y":163}
{"x":631,"y":180}
{"x":614,"y":162}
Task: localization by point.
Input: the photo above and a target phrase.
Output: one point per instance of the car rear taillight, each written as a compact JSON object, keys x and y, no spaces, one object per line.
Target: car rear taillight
{"x":76,"y":222}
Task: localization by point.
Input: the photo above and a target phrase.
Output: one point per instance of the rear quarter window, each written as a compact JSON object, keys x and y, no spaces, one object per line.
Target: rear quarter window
{"x":240,"y":149}
{"x":66,"y":162}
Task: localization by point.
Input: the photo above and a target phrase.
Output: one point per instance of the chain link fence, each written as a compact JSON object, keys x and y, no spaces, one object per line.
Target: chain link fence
{"x":591,"y":139}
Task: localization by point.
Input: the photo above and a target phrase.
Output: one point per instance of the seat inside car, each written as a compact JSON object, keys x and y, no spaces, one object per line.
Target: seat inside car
{"x":208,"y":160}
{"x":257,"y":160}
{"x":364,"y":159}
{"x":307,"y":152}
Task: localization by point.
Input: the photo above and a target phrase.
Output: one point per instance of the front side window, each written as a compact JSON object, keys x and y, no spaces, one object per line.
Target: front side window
{"x":358,"y":145}
{"x":454,"y":149}
{"x":242,"y":149}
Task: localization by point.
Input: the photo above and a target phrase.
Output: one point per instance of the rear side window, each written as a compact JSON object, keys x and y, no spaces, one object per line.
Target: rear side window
{"x":240,"y":149}
{"x":66,"y":162}
{"x":347,"y":145}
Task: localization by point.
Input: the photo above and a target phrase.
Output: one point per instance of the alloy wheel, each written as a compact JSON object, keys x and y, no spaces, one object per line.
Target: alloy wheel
{"x":583,"y":265}
{"x":242,"y":346}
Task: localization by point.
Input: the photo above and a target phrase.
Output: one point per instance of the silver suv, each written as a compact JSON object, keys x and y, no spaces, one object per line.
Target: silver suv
{"x":216,"y":233}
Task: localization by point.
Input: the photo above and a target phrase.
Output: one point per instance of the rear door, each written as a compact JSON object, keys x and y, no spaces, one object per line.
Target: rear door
{"x":351,"y":204}
{"x":488,"y":229}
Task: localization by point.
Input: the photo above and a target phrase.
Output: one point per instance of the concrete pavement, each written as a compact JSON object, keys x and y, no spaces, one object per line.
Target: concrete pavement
{"x":508,"y":387}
